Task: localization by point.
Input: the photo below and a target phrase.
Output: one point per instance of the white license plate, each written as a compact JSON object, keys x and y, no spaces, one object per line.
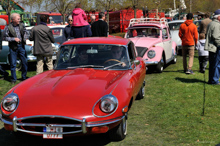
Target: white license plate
{"x":53,"y":130}
{"x":54,"y":57}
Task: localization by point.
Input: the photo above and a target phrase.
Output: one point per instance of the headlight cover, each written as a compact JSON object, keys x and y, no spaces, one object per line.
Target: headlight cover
{"x":151,"y":54}
{"x":108,"y":103}
{"x":10,"y":102}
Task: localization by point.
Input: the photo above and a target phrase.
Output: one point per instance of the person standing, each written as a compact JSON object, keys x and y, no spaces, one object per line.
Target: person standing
{"x":43,"y":37}
{"x":2,"y":71}
{"x":92,"y":19}
{"x":100,"y":27}
{"x":15,"y":34}
{"x":213,"y":46}
{"x":67,"y":29}
{"x":204,"y":23}
{"x":203,"y":55}
{"x":189,"y":35}
{"x":80,"y":27}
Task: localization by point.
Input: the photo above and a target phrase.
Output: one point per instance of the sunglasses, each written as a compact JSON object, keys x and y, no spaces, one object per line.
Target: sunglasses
{"x":70,"y":20}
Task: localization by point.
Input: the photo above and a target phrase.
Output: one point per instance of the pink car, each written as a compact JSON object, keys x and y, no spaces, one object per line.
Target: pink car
{"x":153,"y":42}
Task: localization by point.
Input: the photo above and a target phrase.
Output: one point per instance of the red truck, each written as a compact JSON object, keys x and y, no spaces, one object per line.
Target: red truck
{"x":3,"y":21}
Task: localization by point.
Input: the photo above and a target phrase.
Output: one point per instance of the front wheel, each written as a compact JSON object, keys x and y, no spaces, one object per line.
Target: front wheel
{"x":160,"y":66}
{"x":119,"y":132}
{"x":141,"y":93}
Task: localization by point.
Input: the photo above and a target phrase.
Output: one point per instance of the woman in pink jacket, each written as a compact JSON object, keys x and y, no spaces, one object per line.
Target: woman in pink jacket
{"x":80,"y":26}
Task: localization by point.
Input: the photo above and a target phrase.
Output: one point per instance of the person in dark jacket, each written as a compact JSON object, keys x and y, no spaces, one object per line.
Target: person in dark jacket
{"x":2,"y":71}
{"x":100,"y":27}
{"x":43,"y":37}
{"x":80,"y":27}
{"x":15,"y":34}
{"x":67,"y":29}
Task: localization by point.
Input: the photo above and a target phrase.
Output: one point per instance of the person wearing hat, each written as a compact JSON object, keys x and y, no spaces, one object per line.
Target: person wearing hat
{"x":189,"y":35}
{"x":213,"y":46}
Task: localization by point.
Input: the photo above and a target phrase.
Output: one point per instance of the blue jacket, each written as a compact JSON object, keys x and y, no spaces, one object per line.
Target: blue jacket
{"x":67,"y":31}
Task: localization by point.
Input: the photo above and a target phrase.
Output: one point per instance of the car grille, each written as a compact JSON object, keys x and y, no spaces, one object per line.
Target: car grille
{"x":35,"y":124}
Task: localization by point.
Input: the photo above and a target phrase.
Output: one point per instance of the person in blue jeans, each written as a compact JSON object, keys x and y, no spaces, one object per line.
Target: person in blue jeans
{"x":15,"y":34}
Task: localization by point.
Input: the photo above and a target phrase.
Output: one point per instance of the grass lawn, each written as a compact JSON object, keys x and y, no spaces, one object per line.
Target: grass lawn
{"x":178,"y":109}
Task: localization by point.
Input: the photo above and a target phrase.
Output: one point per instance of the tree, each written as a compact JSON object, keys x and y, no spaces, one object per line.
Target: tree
{"x":62,"y":7}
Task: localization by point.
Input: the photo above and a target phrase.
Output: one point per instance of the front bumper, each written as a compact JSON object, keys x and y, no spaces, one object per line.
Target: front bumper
{"x":151,"y":62}
{"x":82,"y":125}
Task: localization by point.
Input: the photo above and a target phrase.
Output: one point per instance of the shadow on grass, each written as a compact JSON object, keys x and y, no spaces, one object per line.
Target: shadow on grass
{"x":185,"y":80}
{"x":10,"y":139}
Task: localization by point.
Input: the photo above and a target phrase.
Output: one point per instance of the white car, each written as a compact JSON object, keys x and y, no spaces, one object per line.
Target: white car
{"x":57,"y":31}
{"x":174,"y":31}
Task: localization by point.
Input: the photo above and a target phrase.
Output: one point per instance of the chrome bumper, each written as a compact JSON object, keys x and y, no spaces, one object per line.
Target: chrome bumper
{"x":151,"y":62}
{"x":84,"y":124}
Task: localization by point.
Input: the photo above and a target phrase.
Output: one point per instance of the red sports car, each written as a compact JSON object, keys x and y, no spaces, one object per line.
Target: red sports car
{"x":90,"y":90}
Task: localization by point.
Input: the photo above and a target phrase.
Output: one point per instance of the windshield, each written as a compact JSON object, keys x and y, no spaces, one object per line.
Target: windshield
{"x":143,"y":32}
{"x":175,"y":26}
{"x":92,"y":56}
{"x":56,"y":19}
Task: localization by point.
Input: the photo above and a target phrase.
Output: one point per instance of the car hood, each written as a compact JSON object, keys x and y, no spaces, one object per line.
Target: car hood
{"x":145,"y":41}
{"x":175,"y":37}
{"x":71,"y":93}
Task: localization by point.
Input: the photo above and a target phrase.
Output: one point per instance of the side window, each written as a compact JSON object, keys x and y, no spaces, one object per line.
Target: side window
{"x":164,"y":34}
{"x":131,"y":51}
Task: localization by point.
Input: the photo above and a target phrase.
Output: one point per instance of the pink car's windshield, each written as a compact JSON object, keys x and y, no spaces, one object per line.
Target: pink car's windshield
{"x":143,"y":32}
{"x":92,"y":56}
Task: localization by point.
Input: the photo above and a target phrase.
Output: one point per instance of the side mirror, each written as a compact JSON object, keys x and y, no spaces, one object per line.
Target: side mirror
{"x":136,"y":62}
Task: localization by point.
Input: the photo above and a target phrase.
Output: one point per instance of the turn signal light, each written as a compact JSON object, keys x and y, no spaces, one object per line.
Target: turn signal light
{"x":102,"y":129}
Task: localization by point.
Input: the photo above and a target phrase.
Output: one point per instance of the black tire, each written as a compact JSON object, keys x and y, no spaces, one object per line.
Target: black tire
{"x":160,"y":66}
{"x":174,"y":59}
{"x":141,"y":93}
{"x":119,"y":132}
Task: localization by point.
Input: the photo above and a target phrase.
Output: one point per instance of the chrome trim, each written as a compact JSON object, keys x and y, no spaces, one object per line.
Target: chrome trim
{"x":14,"y":124}
{"x":100,"y":109}
{"x":16,"y":106}
{"x":84,"y":124}
{"x":151,"y":62}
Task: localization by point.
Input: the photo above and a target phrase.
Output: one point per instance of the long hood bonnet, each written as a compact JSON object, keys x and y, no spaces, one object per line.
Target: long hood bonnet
{"x":62,"y":91}
{"x":145,"y":41}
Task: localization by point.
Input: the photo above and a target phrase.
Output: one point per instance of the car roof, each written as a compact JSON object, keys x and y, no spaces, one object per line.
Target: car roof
{"x":175,"y":21}
{"x":148,"y":24}
{"x":98,"y":40}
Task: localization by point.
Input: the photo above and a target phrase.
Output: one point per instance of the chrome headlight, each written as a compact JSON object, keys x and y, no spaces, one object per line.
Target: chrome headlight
{"x":151,"y":54}
{"x":10,"y":102}
{"x":108,"y":103}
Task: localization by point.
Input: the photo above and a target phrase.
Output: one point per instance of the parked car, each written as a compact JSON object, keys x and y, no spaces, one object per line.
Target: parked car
{"x":174,"y":32}
{"x":153,"y":41}
{"x":4,"y":55}
{"x":79,"y":97}
{"x":197,"y":23}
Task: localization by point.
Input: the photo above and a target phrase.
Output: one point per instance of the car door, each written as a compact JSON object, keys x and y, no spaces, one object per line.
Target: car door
{"x":167,"y":43}
{"x":137,"y":70}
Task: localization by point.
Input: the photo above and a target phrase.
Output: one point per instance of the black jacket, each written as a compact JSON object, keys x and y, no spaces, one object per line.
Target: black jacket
{"x":13,"y":45}
{"x":99,"y":29}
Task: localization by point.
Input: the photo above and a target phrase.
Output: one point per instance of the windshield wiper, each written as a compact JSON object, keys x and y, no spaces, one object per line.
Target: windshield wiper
{"x":85,"y":66}
{"x":120,"y":63}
